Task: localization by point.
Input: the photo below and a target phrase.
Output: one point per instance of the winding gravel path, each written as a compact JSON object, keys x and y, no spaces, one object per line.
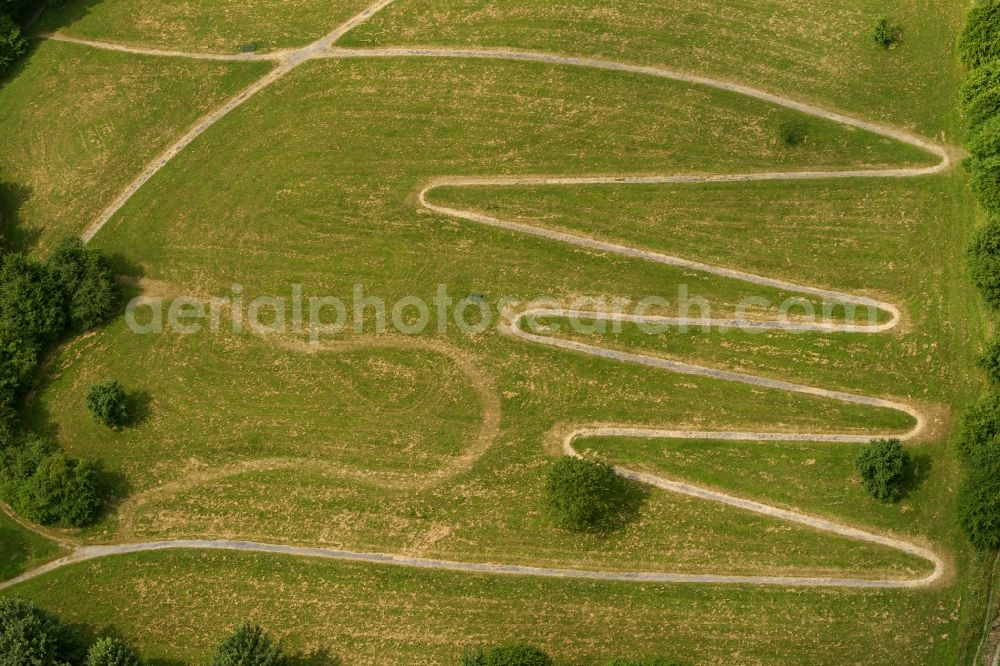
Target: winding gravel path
{"x":325,"y":48}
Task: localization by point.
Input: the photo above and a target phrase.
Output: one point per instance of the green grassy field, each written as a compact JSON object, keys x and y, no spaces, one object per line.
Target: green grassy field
{"x":22,"y":549}
{"x":103,"y":117}
{"x":437,"y":445}
{"x":223,"y":26}
{"x":386,"y":615}
{"x":817,"y":51}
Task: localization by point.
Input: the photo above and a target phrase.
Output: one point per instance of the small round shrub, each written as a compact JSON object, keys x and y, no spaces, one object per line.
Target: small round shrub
{"x":882,"y":465}
{"x":980,"y":39}
{"x":584,"y":494}
{"x":62,"y":491}
{"x":978,"y":433}
{"x":248,"y":645}
{"x":517,"y":654}
{"x":978,"y":503}
{"x":111,"y":652}
{"x":108,"y":403}
{"x":983,"y":262}
{"x":885,"y":34}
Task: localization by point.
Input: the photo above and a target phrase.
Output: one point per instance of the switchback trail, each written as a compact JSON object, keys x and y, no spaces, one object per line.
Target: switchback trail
{"x":326,"y":47}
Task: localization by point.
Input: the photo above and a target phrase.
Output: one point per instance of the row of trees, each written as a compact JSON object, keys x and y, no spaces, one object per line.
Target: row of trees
{"x":41,"y":302}
{"x":979,"y":447}
{"x":30,"y":636}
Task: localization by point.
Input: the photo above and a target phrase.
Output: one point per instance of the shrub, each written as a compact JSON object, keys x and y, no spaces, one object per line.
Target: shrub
{"x":46,"y":486}
{"x":978,"y":504}
{"x":979,"y":81}
{"x":885,"y":35}
{"x":989,"y":361}
{"x":980,"y":39}
{"x":983,"y":261}
{"x":984,"y":179}
{"x":586,"y":494}
{"x":30,"y":636}
{"x":984,"y":141}
{"x":248,"y":645}
{"x":108,"y":403}
{"x":31,"y":304}
{"x":18,"y":360}
{"x":517,"y":654}
{"x":111,"y":652}
{"x":792,"y":133}
{"x":979,"y":429}
{"x":86,"y":282}
{"x":12,"y":42}
{"x":882,"y":465}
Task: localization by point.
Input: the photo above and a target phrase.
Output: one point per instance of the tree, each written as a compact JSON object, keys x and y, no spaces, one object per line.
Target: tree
{"x":112,"y":652}
{"x":979,"y":42}
{"x":62,"y":491}
{"x":983,"y":261}
{"x":12,"y":42}
{"x":989,"y":361}
{"x":885,"y":35}
{"x":882,"y":465}
{"x":108,"y":403}
{"x":585,"y":494}
{"x":86,"y":282}
{"x":30,"y":636}
{"x":978,"y":433}
{"x":248,"y":645}
{"x":978,"y":504}
{"x":516,"y":654}
{"x":31,"y":303}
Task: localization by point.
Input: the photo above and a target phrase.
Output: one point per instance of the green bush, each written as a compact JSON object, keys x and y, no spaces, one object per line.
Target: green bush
{"x":31,"y":303}
{"x":978,"y":504}
{"x":979,"y":42}
{"x":30,"y":636}
{"x":978,"y":81}
{"x":517,"y":654}
{"x":41,"y":483}
{"x":248,"y":645}
{"x":989,"y":361}
{"x":984,"y":141}
{"x":18,"y":360}
{"x":983,"y":261}
{"x":112,"y":652}
{"x":108,"y":403}
{"x":984,"y":179}
{"x":12,"y":42}
{"x":585,"y":494}
{"x":882,"y":466}
{"x":86,"y":282}
{"x":885,"y":35}
{"x":979,"y":430}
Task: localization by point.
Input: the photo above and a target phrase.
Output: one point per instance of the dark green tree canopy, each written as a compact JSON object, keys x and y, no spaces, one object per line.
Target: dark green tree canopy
{"x":111,"y":652}
{"x":882,"y":465}
{"x":583,"y":494}
{"x":248,"y":645}
{"x":30,"y":636}
{"x":108,"y":403}
{"x":980,"y":39}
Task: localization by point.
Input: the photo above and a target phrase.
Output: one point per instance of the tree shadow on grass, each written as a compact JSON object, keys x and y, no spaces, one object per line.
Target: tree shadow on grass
{"x":630,"y":497}
{"x":916,"y":471}
{"x":139,"y":404}
{"x":14,"y":236}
